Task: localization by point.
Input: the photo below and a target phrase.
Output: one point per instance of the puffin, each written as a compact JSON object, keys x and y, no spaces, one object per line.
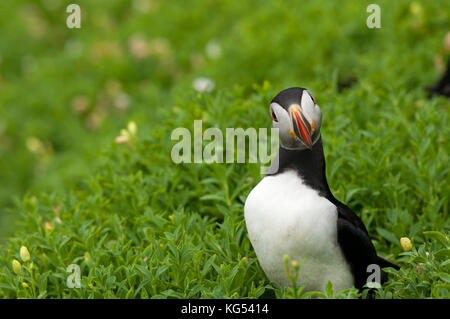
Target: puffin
{"x":293,"y":212}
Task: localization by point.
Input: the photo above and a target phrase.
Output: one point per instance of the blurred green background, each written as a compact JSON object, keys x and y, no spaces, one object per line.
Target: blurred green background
{"x":64,"y":93}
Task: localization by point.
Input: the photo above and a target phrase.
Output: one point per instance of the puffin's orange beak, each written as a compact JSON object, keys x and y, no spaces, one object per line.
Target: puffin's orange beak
{"x":300,"y":126}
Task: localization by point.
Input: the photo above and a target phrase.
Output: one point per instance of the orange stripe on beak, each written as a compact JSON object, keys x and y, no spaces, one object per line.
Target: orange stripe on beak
{"x":301,"y":126}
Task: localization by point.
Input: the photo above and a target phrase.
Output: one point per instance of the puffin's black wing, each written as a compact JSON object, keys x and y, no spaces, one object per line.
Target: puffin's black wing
{"x":357,"y":246}
{"x":442,"y":87}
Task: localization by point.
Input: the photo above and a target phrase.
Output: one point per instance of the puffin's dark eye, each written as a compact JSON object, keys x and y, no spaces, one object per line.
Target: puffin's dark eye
{"x":312,"y":97}
{"x":274,"y":117}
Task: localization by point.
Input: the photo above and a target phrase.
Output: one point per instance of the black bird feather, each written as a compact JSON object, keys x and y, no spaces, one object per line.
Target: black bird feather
{"x":442,"y":87}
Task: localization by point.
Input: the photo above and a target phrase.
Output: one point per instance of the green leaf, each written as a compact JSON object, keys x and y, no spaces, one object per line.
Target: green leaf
{"x":418,"y":259}
{"x":388,"y":235}
{"x":329,"y":289}
{"x":130,"y":294}
{"x":315,"y":294}
{"x":444,"y":276}
{"x":213,"y":197}
{"x":438,"y":236}
{"x":207,"y":265}
{"x":443,"y":254}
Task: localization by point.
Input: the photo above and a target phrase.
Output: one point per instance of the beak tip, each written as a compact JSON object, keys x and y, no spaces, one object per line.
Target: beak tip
{"x":307,"y":141}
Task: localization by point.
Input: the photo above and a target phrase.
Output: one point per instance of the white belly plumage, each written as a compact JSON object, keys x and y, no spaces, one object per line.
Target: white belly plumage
{"x":285,"y":217}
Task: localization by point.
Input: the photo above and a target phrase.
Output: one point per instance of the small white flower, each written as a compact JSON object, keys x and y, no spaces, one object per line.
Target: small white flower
{"x":203,"y":84}
{"x":213,"y":50}
{"x":127,"y":135}
{"x":122,"y":102}
{"x":138,"y":46}
{"x":122,"y":139}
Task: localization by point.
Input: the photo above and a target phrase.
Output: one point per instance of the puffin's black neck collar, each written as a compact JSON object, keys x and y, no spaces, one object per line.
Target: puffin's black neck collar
{"x":309,"y":164}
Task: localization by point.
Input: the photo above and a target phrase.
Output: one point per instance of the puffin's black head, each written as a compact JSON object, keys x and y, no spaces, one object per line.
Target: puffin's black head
{"x":297,"y":116}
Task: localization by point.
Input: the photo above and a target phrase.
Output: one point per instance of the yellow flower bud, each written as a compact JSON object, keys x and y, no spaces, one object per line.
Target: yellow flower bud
{"x":415,"y":8}
{"x":124,"y":132}
{"x":132,"y":128}
{"x":24,"y":285}
{"x":294,"y":264}
{"x":406,"y":243}
{"x":24,"y":254}
{"x":17,"y":267}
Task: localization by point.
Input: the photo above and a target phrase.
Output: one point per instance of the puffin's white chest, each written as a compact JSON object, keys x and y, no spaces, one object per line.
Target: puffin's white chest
{"x":284,"y":216}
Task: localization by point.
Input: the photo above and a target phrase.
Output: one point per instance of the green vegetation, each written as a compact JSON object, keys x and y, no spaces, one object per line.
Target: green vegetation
{"x":140,"y":226}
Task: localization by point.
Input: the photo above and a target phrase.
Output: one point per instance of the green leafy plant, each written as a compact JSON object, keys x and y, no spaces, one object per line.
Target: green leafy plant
{"x":77,"y":189}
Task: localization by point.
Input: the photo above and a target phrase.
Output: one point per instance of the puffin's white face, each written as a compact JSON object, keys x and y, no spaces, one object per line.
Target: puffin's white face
{"x":297,"y":116}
